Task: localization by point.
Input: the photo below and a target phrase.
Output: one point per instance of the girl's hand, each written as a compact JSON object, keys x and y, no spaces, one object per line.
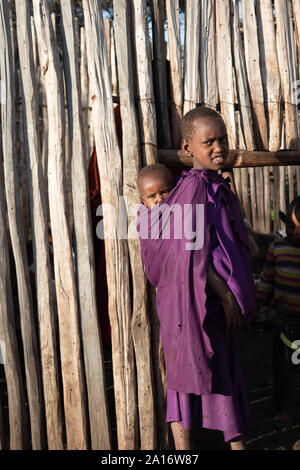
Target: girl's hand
{"x":233,"y":314}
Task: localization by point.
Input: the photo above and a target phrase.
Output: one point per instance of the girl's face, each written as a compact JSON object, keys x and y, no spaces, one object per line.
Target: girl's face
{"x":209,"y":144}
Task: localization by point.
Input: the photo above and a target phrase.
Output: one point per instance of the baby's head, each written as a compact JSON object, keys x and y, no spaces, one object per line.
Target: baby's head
{"x":293,"y":222}
{"x":204,"y":137}
{"x":154,"y":184}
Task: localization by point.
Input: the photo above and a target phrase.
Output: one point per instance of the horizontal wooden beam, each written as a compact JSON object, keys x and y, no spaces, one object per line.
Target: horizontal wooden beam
{"x":236,"y":158}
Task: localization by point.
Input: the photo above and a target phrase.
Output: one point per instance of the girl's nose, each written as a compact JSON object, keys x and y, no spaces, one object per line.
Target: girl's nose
{"x":218,"y":147}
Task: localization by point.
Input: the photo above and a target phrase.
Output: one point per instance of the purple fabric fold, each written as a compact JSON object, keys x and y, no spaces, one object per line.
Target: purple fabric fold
{"x":203,"y":201}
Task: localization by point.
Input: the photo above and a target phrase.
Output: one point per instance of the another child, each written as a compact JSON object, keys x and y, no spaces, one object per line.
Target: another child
{"x":205,"y":287}
{"x":280,"y":283}
{"x":154,"y":184}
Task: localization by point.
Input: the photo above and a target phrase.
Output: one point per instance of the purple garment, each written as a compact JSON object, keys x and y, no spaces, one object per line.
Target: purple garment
{"x":191,"y":316}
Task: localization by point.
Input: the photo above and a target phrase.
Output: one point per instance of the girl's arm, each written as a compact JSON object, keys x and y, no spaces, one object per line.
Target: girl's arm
{"x":230,"y":305}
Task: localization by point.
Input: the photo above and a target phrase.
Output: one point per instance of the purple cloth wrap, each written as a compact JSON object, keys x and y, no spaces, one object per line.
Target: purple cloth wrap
{"x":191,"y":316}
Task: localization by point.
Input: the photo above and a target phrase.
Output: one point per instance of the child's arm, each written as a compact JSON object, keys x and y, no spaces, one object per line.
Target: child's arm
{"x":265,"y":290}
{"x":230,"y":305}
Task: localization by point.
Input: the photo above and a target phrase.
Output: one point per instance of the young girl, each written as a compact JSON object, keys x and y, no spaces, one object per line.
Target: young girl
{"x":204,"y":290}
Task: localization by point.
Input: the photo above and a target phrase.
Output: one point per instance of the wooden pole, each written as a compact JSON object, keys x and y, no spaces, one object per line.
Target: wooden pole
{"x":246,"y":136}
{"x":15,"y":390}
{"x":47,"y":327}
{"x":146,"y":98}
{"x":237,"y":158}
{"x":91,"y":337}
{"x":225,"y":69}
{"x":296,"y":14}
{"x":116,"y":249}
{"x":131,"y":163}
{"x":287,"y":63}
{"x":257,"y":102}
{"x":208,"y":71}
{"x":160,"y":73}
{"x":29,"y":337}
{"x":70,"y":350}
{"x":172,"y":7}
{"x":192,"y":86}
{"x":84,"y":84}
{"x":272,"y":91}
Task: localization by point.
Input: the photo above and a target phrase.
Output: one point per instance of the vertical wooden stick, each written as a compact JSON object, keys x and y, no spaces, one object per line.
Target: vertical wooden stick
{"x":15,"y":389}
{"x":116,"y":249}
{"x":160,"y":73}
{"x":192,"y":87}
{"x":92,"y":348}
{"x":147,"y":112}
{"x":50,"y":368}
{"x":29,"y":337}
{"x":225,"y":69}
{"x":208,"y":71}
{"x":72,"y":370}
{"x":131,"y":162}
{"x":176,"y":68}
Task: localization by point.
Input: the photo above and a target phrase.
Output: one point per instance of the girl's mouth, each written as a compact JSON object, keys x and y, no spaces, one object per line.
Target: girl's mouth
{"x":220,"y":159}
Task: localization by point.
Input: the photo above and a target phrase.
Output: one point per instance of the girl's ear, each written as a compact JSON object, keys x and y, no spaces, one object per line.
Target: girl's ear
{"x":186,"y":147}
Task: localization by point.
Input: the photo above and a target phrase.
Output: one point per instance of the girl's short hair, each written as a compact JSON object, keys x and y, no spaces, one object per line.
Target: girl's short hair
{"x":187,"y":122}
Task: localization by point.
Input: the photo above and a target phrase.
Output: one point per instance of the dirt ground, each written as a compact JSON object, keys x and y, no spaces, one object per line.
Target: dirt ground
{"x":255,"y":348}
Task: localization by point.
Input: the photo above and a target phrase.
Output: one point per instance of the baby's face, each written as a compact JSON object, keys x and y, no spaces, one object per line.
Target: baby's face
{"x":154,"y":188}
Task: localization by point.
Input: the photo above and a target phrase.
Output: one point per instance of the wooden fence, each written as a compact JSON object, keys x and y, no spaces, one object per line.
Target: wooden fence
{"x":59,"y":74}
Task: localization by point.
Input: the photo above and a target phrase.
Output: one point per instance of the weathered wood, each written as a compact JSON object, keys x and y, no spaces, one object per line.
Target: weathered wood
{"x":140,"y":323}
{"x":107,"y":28}
{"x":172,"y":7}
{"x":225,"y":69}
{"x":15,"y":390}
{"x":113,"y":59}
{"x":91,"y":338}
{"x":296,"y":14}
{"x":192,"y":87}
{"x":84,"y":86}
{"x":208,"y":71}
{"x":50,"y":367}
{"x":29,"y":337}
{"x":159,"y":373}
{"x":70,"y":350}
{"x":236,"y":159}
{"x":160,"y":74}
{"x":287,"y":65}
{"x":245,"y":122}
{"x":269,"y":71}
{"x":116,"y":249}
{"x":252,"y":56}
{"x":147,"y":112}
{"x":272,"y":87}
{"x":287,"y":68}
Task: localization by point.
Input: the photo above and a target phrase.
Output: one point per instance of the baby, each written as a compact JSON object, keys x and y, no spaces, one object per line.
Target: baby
{"x":154,"y":184}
